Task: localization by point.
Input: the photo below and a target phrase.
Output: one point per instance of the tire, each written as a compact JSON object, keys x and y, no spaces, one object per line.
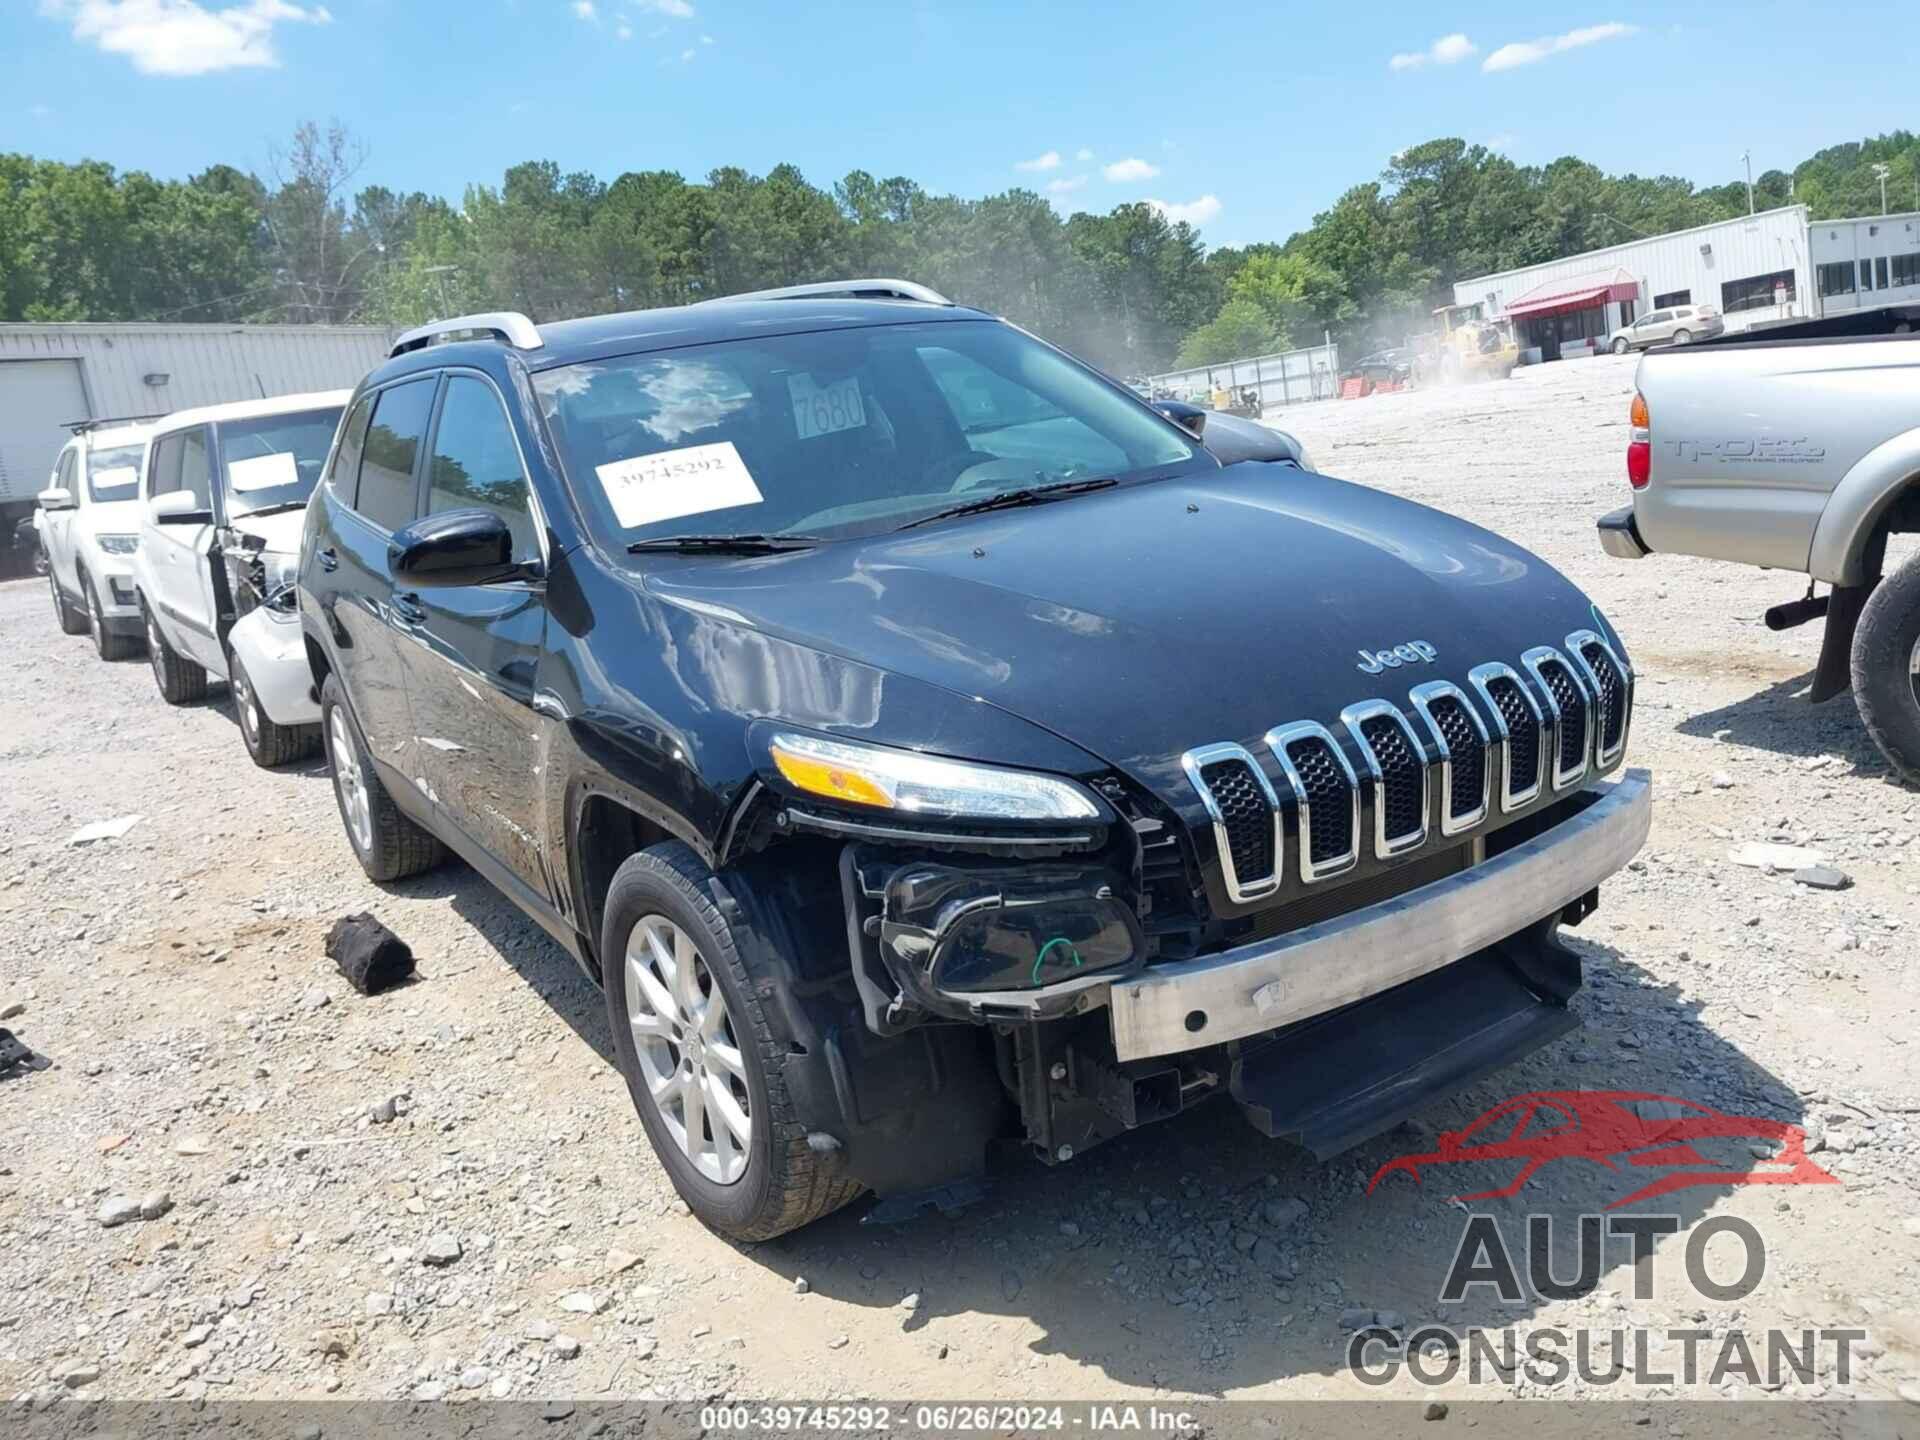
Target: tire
{"x":105,"y":643}
{"x":781,"y":1183}
{"x":181,"y":681}
{"x":388,"y":845}
{"x":1683,"y":337}
{"x":1886,"y":684}
{"x":1620,"y":346}
{"x":269,"y":744}
{"x":72,"y":621}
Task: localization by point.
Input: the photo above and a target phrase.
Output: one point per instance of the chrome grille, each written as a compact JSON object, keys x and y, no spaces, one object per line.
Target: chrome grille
{"x":1518,"y":721}
{"x":1398,"y":770}
{"x":1462,"y":742}
{"x":1326,"y":797}
{"x":1572,"y":718}
{"x":1607,"y":679}
{"x":1245,"y":814}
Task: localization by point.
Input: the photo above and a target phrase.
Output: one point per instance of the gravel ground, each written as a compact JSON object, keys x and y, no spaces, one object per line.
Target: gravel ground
{"x":507,"y":1233}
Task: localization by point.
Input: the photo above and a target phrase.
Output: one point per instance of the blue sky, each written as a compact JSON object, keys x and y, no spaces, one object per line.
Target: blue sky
{"x":1245,"y":118}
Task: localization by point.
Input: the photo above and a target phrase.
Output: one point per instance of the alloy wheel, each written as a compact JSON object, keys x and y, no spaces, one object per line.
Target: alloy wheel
{"x":348,"y":782}
{"x":244,"y":703}
{"x":689,"y":1056}
{"x":156,"y":653}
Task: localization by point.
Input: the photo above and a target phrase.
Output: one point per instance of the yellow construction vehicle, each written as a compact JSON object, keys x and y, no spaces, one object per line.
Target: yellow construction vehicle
{"x":1466,"y":347}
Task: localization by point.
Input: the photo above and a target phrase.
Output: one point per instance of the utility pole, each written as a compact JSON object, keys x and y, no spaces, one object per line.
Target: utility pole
{"x":1747,"y":156}
{"x":1880,"y":173}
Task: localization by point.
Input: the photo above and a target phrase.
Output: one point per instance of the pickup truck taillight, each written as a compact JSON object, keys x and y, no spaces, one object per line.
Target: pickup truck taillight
{"x":1639,"y":445}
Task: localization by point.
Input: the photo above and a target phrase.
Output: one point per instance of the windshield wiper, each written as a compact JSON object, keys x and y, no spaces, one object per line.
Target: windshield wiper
{"x":1013,"y":499}
{"x":273,"y":509}
{"x":726,"y":544}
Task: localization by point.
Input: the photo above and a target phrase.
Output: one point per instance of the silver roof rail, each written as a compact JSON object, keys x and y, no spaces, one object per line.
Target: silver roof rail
{"x":843,"y":290}
{"x":508,"y":325}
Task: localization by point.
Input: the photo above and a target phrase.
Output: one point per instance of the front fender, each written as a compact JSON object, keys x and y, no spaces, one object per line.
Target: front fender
{"x":1858,"y":504}
{"x":274,"y":651}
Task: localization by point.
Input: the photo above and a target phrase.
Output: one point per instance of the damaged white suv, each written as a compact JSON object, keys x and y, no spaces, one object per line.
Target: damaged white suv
{"x":221,"y":506}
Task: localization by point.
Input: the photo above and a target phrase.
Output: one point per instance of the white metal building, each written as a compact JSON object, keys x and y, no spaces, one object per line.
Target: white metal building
{"x":52,"y":374}
{"x":1866,"y":263}
{"x":1754,"y":268}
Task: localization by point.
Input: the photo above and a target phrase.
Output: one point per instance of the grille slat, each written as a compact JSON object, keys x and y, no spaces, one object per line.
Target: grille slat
{"x":1466,"y":756}
{"x":1613,"y":694}
{"x":1573,"y":715}
{"x":1403,"y":777}
{"x":1523,"y":734}
{"x":1329,"y":799}
{"x":1244,"y":813}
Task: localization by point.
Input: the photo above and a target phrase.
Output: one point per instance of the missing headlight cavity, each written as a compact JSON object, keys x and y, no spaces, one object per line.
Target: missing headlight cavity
{"x":961,"y":940}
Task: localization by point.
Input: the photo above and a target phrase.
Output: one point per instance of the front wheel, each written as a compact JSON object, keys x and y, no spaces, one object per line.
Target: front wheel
{"x":700,"y":1057}
{"x":269,"y":744}
{"x":181,"y":681}
{"x":1620,"y":346}
{"x":388,"y":845}
{"x":1886,"y":669}
{"x":72,"y":621}
{"x":106,"y":644}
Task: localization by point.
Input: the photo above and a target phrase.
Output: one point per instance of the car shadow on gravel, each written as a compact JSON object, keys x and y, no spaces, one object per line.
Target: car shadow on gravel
{"x":1781,"y":720}
{"x":1173,"y":1256}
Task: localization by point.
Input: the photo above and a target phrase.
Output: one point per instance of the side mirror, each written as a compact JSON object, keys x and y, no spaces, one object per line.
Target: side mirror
{"x":1190,"y":418}
{"x":55,"y":498}
{"x":459,"y":547}
{"x":176,"y":507}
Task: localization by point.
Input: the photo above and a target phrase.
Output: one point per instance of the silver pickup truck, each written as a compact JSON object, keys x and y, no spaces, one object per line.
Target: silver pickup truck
{"x":1799,"y":455}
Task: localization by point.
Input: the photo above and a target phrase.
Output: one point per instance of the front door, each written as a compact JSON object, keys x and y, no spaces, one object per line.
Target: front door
{"x":177,"y":566}
{"x":56,"y":526}
{"x":473,"y":652}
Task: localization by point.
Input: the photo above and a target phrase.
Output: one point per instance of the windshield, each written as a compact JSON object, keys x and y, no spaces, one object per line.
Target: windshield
{"x":841,"y":432}
{"x":274,"y":461}
{"x":114,"y":474}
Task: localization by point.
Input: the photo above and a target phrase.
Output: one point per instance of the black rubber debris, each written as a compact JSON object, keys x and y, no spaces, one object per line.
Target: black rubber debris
{"x":371,"y":956}
{"x":17,"y":1059}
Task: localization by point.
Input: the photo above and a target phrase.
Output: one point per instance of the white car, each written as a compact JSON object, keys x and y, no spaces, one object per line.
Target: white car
{"x":222,"y":500}
{"x":89,"y":522}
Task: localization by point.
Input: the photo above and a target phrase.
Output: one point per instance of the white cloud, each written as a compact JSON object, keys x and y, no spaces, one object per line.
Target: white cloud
{"x":583,"y":10}
{"x":1048,"y":161}
{"x":1500,"y":143}
{"x":1132,"y":168}
{"x":1083,"y":154}
{"x":1194,"y":212}
{"x":1530,"y":52}
{"x":623,"y":31}
{"x":1066,"y":184}
{"x":184,"y":37}
{"x":686,"y":57}
{"x":678,"y":9}
{"x":706,"y":39}
{"x":1447,"y":50}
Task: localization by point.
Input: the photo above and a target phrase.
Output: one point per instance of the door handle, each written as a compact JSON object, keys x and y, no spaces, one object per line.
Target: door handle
{"x":407,"y":606}
{"x":329,"y":559}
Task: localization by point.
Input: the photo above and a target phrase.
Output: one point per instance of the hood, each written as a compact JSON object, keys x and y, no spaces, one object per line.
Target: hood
{"x":1140,"y":622}
{"x":279,"y":531}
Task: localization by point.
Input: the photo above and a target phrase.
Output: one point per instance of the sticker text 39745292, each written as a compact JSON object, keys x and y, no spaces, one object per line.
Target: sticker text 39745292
{"x":648,"y":489}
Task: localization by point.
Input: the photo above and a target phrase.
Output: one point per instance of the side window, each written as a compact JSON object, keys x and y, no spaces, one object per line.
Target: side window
{"x":345,"y":474}
{"x":398,"y":429}
{"x":1659,"y":317}
{"x":163,"y":466}
{"x":476,"y":463}
{"x":63,"y":477}
{"x":193,"y":468}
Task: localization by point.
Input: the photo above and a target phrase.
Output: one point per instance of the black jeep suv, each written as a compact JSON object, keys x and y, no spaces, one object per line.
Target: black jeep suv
{"x":925,"y":742}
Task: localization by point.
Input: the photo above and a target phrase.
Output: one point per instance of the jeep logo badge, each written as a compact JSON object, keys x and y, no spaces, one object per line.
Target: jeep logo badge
{"x":1414,"y":652}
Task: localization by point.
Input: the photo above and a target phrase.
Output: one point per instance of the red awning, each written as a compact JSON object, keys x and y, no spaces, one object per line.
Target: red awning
{"x":1582,"y":292}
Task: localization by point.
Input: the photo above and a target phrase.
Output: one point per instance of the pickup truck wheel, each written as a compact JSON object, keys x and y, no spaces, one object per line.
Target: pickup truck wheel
{"x":1886,"y":668}
{"x":269,"y":744}
{"x":1620,"y":346}
{"x":108,"y":645}
{"x":700,"y":1057}
{"x":387,"y":844}
{"x":72,"y":621}
{"x":181,"y":681}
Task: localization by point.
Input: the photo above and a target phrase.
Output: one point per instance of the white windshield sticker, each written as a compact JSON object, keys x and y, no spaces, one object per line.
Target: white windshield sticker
{"x":824,"y":409}
{"x":263,"y":472}
{"x":115,"y":477}
{"x":650,"y":488}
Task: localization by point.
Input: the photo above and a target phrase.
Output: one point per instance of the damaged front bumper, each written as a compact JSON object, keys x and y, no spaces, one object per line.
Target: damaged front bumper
{"x":269,"y":643}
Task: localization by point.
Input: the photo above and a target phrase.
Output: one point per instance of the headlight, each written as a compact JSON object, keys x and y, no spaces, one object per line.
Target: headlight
{"x":279,"y":569}
{"x":905,"y":780}
{"x":117,"y":544}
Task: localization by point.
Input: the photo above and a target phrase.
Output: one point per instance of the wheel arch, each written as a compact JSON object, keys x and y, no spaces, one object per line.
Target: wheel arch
{"x":603,"y":831}
{"x":1879,"y":496}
